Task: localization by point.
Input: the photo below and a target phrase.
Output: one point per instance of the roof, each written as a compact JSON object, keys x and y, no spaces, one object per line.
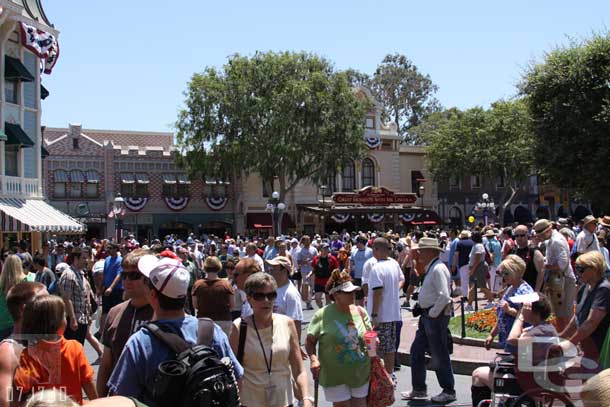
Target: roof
{"x":34,"y":10}
{"x":117,"y":137}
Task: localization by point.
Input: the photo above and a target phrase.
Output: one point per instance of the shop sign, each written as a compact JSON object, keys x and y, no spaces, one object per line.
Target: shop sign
{"x":374,"y":196}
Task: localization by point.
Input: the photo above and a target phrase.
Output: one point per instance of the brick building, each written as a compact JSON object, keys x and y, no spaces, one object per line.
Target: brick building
{"x":87,"y":169}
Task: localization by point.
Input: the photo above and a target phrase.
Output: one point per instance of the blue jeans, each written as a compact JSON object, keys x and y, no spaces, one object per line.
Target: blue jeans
{"x":431,"y":336}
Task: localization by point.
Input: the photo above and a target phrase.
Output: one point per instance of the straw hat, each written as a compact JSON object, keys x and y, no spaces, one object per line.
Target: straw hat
{"x":428,"y":243}
{"x":542,"y":225}
{"x":588,"y":219}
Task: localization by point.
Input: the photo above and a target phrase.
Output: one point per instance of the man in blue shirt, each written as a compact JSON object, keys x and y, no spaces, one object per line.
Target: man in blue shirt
{"x":356,"y":265}
{"x":494,"y":248}
{"x":133,"y":374}
{"x":113,"y":286}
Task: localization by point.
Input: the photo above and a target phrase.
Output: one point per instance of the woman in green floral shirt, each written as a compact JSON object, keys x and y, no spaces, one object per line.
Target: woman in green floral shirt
{"x":341,"y":364}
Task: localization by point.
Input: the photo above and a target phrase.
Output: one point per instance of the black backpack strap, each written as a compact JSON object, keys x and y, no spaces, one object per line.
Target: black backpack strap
{"x":243,"y":330}
{"x":205,"y":333}
{"x":173,"y":341}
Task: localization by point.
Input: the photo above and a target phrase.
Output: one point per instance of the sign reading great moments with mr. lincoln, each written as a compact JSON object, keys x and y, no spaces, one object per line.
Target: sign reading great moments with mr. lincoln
{"x":371,"y":196}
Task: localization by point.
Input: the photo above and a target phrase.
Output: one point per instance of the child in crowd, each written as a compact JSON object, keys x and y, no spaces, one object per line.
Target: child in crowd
{"x":50,"y":361}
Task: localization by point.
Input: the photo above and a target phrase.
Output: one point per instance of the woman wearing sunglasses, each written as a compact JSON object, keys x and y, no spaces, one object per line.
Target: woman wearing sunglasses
{"x":511,"y":271}
{"x":271,"y":355}
{"x":591,"y":322}
{"x":341,"y":363}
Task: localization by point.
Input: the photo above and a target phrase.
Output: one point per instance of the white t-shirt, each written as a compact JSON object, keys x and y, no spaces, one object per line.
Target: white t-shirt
{"x":386,"y":274}
{"x":295,"y":253}
{"x":366,"y":269}
{"x":288,"y":302}
{"x":258,"y":260}
{"x":246,"y":308}
{"x":478,"y":248}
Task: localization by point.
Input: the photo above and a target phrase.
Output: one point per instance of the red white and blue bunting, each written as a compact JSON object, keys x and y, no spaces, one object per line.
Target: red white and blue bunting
{"x":376,"y":217}
{"x":135,"y":204}
{"x":41,"y":43}
{"x":372,"y":142}
{"x":340,"y":217}
{"x":216,"y":203}
{"x":407,"y":217}
{"x":176,"y":204}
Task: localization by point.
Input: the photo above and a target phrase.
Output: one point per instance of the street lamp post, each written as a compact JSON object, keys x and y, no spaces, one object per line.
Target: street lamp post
{"x":486,"y":204}
{"x":277,"y":209}
{"x":117,"y":209}
{"x":422,"y":189}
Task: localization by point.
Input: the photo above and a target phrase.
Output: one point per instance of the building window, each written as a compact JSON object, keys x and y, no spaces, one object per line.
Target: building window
{"x":60,"y":180}
{"x":500,"y":182}
{"x":128,"y":183}
{"x":77,"y":179}
{"x":11,"y":90}
{"x":368,"y":172}
{"x":455,"y":183}
{"x":75,"y":143}
{"x":331,"y":185}
{"x":475,"y":182}
{"x":370,"y":122}
{"x":11,"y":161}
{"x":91,"y":191}
{"x":348,"y":177}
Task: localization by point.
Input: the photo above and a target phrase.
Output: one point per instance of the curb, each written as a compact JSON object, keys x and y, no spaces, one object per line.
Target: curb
{"x":461,"y":367}
{"x":458,"y":340}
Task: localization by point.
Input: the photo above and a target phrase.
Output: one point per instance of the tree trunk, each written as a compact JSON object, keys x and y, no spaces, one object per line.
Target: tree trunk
{"x":507,"y":199}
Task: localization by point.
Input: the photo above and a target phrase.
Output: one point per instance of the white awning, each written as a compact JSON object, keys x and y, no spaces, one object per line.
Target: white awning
{"x":142,"y":178}
{"x":77,"y":176}
{"x":35,"y":215}
{"x":127,"y":178}
{"x":183,"y":179}
{"x":92,"y":177}
{"x":169,"y":178}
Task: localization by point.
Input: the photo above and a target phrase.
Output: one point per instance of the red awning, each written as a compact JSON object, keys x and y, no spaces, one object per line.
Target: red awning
{"x":259,"y":226}
{"x":263,"y":220}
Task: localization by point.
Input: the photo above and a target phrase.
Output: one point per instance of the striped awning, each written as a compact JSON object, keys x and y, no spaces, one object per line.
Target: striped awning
{"x":127,"y":178}
{"x":35,"y":215}
{"x":183,"y":179}
{"x":142,"y":178}
{"x":77,"y":176}
{"x":60,"y":176}
{"x":92,"y":177}
{"x":169,"y":178}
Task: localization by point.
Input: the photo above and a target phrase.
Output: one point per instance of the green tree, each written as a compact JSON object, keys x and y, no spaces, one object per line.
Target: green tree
{"x":280,"y":115}
{"x":568,"y":96}
{"x":406,"y":94}
{"x":491,"y":143}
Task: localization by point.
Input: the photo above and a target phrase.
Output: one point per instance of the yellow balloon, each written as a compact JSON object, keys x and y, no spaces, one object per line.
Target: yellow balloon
{"x":471,"y":219}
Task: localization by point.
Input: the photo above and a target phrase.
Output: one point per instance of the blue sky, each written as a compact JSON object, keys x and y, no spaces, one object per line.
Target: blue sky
{"x":125,"y":65}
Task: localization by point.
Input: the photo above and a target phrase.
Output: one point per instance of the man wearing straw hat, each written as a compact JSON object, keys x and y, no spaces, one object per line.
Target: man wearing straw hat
{"x":586,"y":241}
{"x":435,"y":304}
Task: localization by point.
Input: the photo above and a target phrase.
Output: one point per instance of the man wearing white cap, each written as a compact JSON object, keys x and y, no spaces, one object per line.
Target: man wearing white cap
{"x":168,"y":281}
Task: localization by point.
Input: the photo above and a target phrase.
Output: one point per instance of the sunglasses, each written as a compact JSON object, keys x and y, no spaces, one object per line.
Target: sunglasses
{"x":264,"y":296}
{"x":131,"y":276}
{"x":580,"y":269}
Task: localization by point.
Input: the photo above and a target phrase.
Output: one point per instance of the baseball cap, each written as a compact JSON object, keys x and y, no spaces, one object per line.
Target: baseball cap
{"x":167,"y":275}
{"x":280,"y":261}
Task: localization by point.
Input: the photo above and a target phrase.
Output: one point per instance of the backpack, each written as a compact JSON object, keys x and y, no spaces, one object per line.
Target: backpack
{"x":196,"y":377}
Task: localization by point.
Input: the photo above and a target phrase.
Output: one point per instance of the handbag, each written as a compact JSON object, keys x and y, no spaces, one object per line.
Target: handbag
{"x":381,"y":385}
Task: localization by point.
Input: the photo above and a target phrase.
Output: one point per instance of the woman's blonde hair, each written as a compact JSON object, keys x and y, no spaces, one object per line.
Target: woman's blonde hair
{"x":51,"y":398}
{"x":596,"y":391}
{"x":212,"y":264}
{"x":12,"y":273}
{"x":514,"y":265}
{"x":595,"y":260}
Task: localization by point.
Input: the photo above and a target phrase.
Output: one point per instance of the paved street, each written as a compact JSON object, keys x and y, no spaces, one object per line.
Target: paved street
{"x":404,"y":380}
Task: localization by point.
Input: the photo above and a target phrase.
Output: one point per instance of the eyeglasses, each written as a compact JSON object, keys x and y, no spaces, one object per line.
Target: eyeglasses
{"x":264,"y":296}
{"x":131,"y":276}
{"x":523,"y":235}
{"x":580,"y":269}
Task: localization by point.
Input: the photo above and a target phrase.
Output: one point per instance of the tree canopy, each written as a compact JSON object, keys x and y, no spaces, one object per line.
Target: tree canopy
{"x":284,"y":115}
{"x":493,"y":142}
{"x":568,"y":96}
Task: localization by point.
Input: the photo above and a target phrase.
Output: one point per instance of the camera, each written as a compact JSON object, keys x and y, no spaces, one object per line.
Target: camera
{"x":417,"y":311}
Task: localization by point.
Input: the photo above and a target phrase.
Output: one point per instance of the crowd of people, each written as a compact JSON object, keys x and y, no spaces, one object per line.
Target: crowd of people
{"x":126,"y":298}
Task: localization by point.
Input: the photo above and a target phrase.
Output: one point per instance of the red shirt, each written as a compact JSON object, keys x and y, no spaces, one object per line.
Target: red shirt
{"x":323,"y":271}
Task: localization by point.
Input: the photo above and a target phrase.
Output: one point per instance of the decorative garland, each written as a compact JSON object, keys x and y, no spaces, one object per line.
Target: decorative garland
{"x":216,"y":203}
{"x":176,"y":204}
{"x":41,"y":43}
{"x":135,"y":204}
{"x":376,"y":217}
{"x":407,"y":217}
{"x":340,"y":217}
{"x":373,"y":142}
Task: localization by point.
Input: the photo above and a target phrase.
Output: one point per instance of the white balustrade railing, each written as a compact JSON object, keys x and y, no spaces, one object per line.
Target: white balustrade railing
{"x":19,"y":187}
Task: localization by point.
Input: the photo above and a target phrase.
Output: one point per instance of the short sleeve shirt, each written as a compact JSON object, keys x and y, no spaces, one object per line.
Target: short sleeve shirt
{"x":342,"y":352}
{"x":112,"y":267}
{"x":476,"y":249}
{"x":464,"y":246}
{"x":358,"y":258}
{"x":387,"y":275}
{"x":123,"y":320}
{"x":213,"y":299}
{"x":72,"y":284}
{"x":596,"y":298}
{"x":288,"y":302}
{"x":306,"y":255}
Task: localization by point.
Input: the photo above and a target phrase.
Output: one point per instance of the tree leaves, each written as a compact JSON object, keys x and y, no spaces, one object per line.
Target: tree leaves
{"x":285,"y":115}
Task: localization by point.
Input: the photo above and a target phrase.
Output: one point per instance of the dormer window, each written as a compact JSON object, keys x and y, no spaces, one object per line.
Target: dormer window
{"x":370,"y":122}
{"x":75,"y":143}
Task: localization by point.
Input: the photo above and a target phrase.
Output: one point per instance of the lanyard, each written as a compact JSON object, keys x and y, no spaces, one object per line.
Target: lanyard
{"x":268,"y":365}
{"x":428,"y":270}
